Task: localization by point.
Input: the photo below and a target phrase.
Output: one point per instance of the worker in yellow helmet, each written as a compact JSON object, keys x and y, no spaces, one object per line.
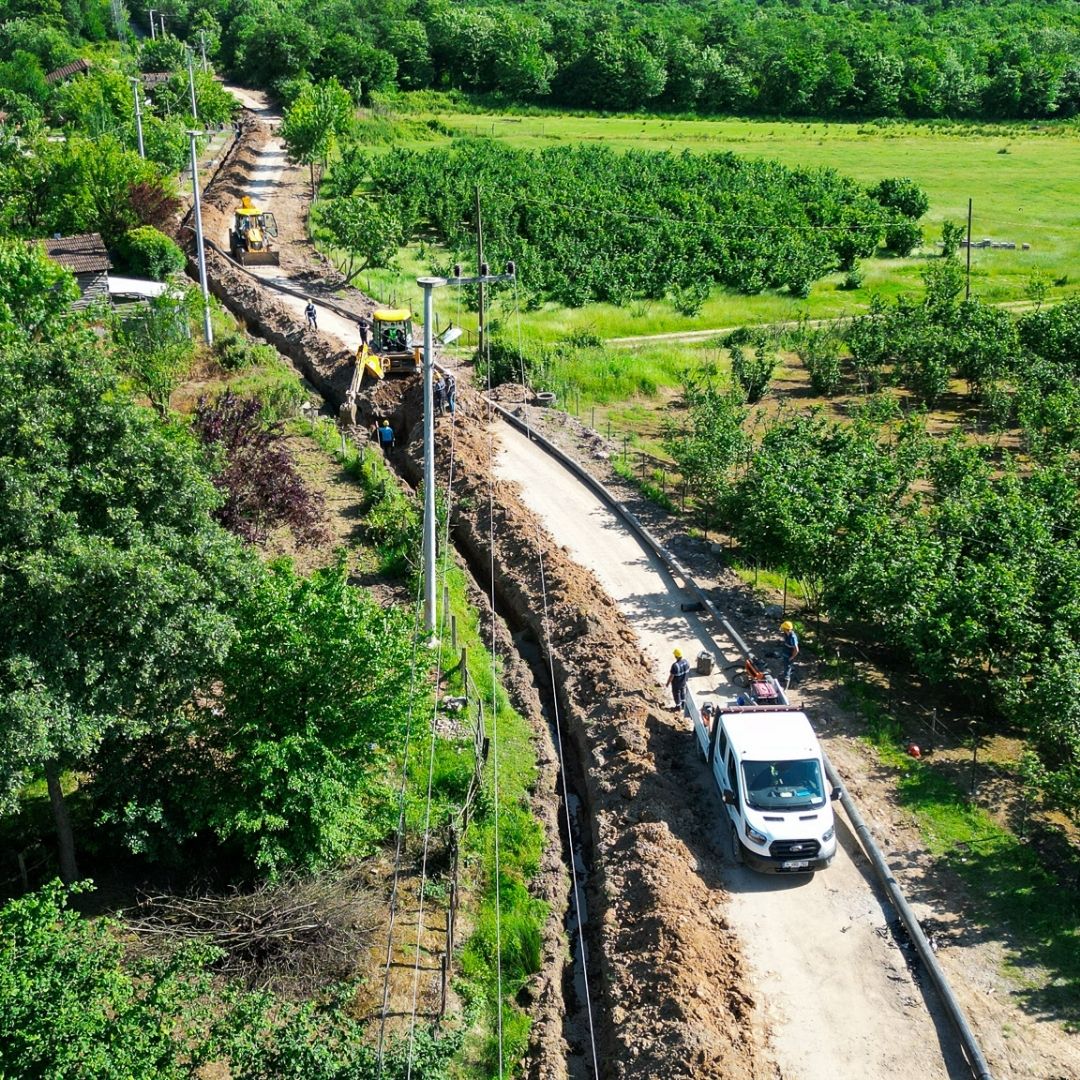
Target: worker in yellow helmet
{"x":680,"y":672}
{"x":789,"y":644}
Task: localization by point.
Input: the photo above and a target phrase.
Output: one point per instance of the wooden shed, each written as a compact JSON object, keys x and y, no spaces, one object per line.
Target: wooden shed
{"x":85,"y":256}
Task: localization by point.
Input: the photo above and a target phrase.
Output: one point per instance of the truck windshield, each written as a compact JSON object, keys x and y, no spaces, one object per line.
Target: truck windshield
{"x":783,"y":785}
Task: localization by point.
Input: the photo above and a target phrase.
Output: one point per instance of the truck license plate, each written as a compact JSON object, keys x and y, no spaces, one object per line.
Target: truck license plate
{"x":795,"y":864}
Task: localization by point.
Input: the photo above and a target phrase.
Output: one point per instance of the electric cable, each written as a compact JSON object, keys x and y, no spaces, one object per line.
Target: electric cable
{"x":575,"y":886}
{"x":494,"y":721}
{"x":400,"y":824}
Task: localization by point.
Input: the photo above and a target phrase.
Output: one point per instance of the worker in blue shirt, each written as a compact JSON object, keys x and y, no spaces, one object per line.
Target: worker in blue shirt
{"x":789,"y":643}
{"x":680,"y":672}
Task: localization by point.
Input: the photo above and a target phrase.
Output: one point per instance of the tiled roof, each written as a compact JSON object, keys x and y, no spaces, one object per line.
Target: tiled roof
{"x":81,"y":254}
{"x":65,"y":72}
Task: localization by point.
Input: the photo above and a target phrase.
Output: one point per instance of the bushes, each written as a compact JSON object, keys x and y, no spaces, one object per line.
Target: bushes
{"x":145,"y":252}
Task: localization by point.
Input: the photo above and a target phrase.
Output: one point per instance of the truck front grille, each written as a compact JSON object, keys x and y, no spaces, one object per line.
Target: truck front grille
{"x":794,"y":849}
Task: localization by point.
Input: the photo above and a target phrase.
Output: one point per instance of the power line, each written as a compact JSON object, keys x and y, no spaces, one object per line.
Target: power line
{"x":431,"y":771}
{"x":495,"y":725}
{"x":400,"y":825}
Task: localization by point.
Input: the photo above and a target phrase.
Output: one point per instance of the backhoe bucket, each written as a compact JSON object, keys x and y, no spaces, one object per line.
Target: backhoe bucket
{"x":260,"y":258}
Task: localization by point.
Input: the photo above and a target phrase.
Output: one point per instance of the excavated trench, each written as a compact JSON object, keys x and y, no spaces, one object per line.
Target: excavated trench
{"x":666,"y":976}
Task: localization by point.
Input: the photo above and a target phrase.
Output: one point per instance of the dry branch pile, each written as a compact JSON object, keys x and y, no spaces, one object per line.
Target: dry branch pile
{"x":294,"y":937}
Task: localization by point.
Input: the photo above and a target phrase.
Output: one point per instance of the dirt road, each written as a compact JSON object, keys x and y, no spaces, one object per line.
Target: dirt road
{"x":837,"y":996}
{"x":837,"y":992}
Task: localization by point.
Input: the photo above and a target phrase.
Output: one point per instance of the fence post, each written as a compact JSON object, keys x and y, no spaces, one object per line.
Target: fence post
{"x":642,"y":464}
{"x":593,"y":423}
{"x":450,"y":923}
{"x":453,"y":632}
{"x":442,"y":987}
{"x":445,"y":605}
{"x":974,"y":755}
{"x":22,"y":872}
{"x":465,"y":668}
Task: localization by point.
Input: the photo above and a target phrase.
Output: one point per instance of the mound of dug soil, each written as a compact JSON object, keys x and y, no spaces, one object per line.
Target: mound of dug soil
{"x":670,"y":997}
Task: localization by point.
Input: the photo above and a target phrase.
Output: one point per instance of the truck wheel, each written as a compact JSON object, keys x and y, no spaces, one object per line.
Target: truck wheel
{"x":736,"y":847}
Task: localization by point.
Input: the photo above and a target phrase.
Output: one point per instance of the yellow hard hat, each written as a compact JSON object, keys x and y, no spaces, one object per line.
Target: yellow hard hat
{"x":678,"y":654}
{"x":787,"y":626}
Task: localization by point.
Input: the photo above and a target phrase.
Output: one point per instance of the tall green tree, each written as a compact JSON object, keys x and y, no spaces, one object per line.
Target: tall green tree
{"x":315,"y":121}
{"x":117,"y":586}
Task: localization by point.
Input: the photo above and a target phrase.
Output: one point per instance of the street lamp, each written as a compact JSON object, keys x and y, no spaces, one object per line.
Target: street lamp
{"x":138,"y":116}
{"x":429,"y":285}
{"x":208,"y":329}
{"x":153,"y":31}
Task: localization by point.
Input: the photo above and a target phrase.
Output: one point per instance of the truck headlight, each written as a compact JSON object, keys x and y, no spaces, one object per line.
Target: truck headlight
{"x":830,"y":832}
{"x":754,"y":835}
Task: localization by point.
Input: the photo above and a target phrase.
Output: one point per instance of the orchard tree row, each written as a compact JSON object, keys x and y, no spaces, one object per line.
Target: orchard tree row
{"x":965,"y":566}
{"x":585,"y":223}
{"x":995,"y":60}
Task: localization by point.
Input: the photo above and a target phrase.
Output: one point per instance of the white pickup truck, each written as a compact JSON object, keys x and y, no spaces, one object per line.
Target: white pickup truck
{"x":767,"y":763}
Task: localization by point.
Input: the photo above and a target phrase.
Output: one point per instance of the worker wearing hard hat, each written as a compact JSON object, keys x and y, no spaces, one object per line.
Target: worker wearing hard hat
{"x":789,"y":644}
{"x":680,"y":672}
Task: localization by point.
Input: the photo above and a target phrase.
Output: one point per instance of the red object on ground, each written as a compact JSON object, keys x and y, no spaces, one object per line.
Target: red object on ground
{"x":914,"y":751}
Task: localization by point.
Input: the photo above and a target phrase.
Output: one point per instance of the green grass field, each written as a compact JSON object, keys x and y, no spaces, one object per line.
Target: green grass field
{"x":1024,"y":180}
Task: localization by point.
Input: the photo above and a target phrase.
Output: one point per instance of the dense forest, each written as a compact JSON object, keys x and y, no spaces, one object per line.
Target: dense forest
{"x":825,"y":59}
{"x":822,"y":59}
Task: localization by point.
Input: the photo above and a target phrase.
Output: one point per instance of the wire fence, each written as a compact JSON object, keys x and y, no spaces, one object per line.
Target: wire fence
{"x":460,"y":821}
{"x":18,"y":869}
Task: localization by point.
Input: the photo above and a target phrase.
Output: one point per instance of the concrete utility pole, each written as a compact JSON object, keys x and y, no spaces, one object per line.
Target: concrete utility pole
{"x":967,"y":278}
{"x":208,"y":329}
{"x":202,"y":49}
{"x":153,"y":31}
{"x":138,"y":116}
{"x":429,"y":285}
{"x":191,"y":87}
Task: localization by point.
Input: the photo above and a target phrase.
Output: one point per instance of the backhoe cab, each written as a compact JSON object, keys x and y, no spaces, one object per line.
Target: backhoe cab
{"x":392,"y":350}
{"x":251,"y":234}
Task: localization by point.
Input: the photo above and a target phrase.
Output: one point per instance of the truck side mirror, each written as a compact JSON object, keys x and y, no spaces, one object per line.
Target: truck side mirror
{"x":836,"y":793}
{"x":728,"y":796}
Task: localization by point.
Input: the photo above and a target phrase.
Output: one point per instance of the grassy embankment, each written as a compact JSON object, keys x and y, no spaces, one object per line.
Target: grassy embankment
{"x":451,"y":761}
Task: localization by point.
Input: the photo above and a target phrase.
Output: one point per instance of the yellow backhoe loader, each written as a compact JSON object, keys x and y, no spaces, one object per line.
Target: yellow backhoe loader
{"x":251,"y":235}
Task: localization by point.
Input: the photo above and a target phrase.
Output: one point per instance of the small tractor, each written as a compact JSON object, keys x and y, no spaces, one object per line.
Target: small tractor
{"x":249,"y":238}
{"x":392,"y":352}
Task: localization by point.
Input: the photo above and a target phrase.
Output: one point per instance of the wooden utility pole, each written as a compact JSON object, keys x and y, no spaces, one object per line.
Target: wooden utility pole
{"x":967,"y":284}
{"x":480,"y":287}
